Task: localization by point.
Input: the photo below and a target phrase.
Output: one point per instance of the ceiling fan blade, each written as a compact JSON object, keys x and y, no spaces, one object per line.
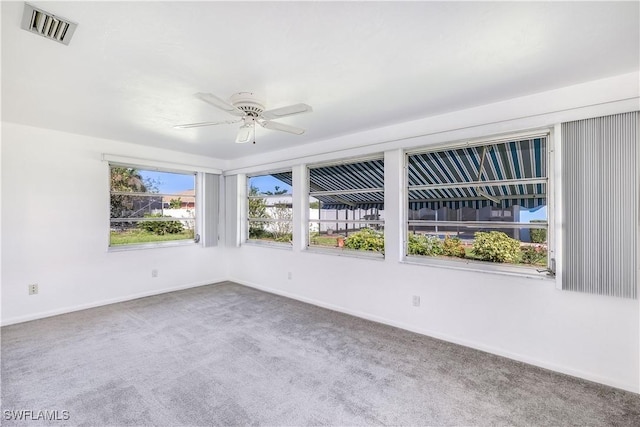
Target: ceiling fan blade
{"x":220,"y":103}
{"x":290,"y":110}
{"x":281,"y":127}
{"x":197,"y":125}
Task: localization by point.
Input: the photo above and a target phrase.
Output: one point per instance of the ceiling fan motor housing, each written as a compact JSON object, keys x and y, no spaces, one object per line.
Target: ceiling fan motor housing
{"x":247,"y":102}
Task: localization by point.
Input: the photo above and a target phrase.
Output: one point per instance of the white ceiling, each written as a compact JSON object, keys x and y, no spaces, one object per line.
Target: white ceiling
{"x":132,"y":68}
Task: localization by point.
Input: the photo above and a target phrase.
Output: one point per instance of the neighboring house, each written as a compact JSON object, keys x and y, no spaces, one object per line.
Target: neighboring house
{"x":187,"y":199}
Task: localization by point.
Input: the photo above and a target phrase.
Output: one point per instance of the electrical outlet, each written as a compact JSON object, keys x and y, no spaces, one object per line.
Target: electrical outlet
{"x":154,"y":273}
{"x":416,"y":301}
{"x":289,"y":275}
{"x":33,"y":289}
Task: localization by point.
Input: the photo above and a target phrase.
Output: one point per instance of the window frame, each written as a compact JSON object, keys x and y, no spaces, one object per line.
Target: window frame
{"x":195,"y":218}
{"x":547,"y":272}
{"x":339,"y":250}
{"x":249,"y":220}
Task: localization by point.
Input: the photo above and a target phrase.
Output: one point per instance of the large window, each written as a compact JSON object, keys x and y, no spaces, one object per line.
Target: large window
{"x":150,"y":206}
{"x":346,"y":206}
{"x":270,"y":207}
{"x":485,"y":202}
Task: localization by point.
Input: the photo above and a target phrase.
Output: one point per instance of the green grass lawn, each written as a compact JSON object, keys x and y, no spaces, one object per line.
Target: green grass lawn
{"x":331,"y":241}
{"x":130,"y":237}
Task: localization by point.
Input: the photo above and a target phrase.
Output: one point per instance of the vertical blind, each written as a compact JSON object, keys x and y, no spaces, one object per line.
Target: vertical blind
{"x":232,"y":213}
{"x":600,"y":161}
{"x":211,"y":201}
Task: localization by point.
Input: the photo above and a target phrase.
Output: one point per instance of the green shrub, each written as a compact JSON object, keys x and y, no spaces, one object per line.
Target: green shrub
{"x":452,"y":246}
{"x":175,"y":203}
{"x":424,"y":245}
{"x":538,"y":235}
{"x":534,"y":255}
{"x":366,"y":239}
{"x":495,"y":246}
{"x":286,"y":237}
{"x":258,"y":233}
{"x":161,"y":227}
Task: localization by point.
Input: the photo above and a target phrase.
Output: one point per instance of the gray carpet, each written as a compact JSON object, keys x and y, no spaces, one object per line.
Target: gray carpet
{"x":226,"y":354}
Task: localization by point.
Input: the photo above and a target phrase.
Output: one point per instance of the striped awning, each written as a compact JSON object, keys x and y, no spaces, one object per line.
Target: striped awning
{"x":364,"y":175}
{"x":442,"y":178}
{"x":365,"y":207}
{"x":456,"y":178}
{"x":476,"y":204}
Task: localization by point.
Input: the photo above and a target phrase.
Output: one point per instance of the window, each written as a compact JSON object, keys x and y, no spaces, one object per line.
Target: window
{"x":150,"y":206}
{"x":270,"y":207}
{"x":346,"y":206}
{"x":485,"y":202}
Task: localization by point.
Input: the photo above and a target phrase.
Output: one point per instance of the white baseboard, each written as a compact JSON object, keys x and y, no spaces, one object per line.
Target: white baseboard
{"x":467,"y":343}
{"x":64,"y":310}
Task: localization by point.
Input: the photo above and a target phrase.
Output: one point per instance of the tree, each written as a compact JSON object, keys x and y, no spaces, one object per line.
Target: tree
{"x":257,"y":209}
{"x":283,"y":229}
{"x":125,"y":180}
{"x":175,"y":203}
{"x":275,"y":192}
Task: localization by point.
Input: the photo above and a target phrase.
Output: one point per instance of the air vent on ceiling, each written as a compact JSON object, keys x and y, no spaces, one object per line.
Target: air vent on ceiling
{"x":47,"y":24}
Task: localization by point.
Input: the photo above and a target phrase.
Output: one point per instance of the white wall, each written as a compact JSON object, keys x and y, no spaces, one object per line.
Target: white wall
{"x":527,"y":319}
{"x":55,"y":219}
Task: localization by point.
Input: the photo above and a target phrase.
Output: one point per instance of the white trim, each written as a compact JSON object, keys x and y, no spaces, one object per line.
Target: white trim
{"x":501,"y":138}
{"x":347,"y":161}
{"x":271,"y":172}
{"x":152,"y":245}
{"x":71,"y":309}
{"x":351,"y":253}
{"x":477,"y":267}
{"x":269,"y":244}
{"x":158,"y":164}
{"x":452,"y":339}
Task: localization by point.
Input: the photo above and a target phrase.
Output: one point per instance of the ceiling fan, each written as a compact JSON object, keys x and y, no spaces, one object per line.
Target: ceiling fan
{"x":250,"y":110}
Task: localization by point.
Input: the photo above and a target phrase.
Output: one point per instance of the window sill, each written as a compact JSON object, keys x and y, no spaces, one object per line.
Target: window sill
{"x":346,"y":253}
{"x":478,"y":266}
{"x":269,"y":244}
{"x":155,"y":245}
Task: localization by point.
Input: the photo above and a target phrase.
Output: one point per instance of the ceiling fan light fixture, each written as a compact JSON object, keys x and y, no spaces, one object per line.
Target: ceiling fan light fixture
{"x":246,"y":133}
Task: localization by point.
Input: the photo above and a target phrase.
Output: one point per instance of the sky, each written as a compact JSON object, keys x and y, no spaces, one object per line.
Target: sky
{"x":268,"y":183}
{"x":170,"y":183}
{"x":533,"y":214}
